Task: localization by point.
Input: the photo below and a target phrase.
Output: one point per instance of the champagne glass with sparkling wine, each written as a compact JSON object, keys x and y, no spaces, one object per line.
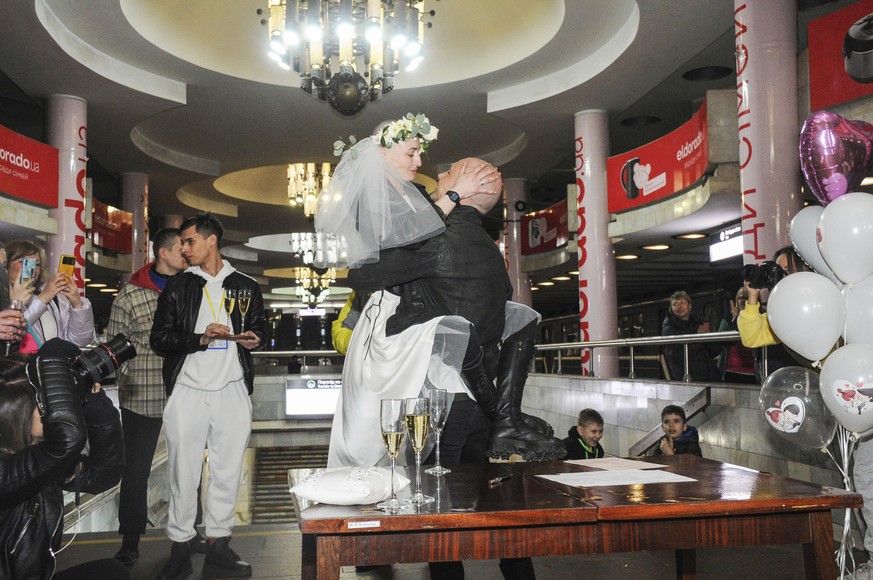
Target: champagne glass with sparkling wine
{"x":228,"y":300}
{"x":243,"y":300}
{"x":392,"y":415}
{"x":417,"y":423}
{"x":438,"y":412}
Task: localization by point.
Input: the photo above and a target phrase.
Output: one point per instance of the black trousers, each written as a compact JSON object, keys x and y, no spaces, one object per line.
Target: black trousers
{"x":465,"y":440}
{"x":140,"y":439}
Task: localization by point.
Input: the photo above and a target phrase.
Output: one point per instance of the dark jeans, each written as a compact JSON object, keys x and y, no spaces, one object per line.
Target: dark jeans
{"x":140,"y":439}
{"x":465,"y":440}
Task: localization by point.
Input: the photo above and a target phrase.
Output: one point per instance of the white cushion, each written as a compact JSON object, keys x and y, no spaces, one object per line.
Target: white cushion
{"x":349,"y":485}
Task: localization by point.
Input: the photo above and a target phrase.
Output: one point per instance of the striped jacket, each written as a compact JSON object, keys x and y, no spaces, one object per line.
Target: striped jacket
{"x":140,"y":386}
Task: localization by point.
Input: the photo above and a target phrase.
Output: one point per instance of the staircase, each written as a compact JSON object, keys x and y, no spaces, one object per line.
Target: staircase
{"x":271,"y":502}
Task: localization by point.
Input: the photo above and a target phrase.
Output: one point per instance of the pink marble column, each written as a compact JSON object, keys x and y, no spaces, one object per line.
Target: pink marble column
{"x":515,"y":190}
{"x":598,"y":313}
{"x":67,"y":130}
{"x":766,"y":53}
{"x":135,"y":199}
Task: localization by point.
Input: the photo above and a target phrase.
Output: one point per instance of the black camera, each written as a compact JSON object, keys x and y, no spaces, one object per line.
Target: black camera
{"x":764,"y":275}
{"x":96,"y":364}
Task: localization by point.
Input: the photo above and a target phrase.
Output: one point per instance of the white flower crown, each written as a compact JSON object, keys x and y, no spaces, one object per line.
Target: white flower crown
{"x":408,"y":127}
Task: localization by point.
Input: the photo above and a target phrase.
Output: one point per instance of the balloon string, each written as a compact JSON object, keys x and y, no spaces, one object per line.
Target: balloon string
{"x":846,"y":442}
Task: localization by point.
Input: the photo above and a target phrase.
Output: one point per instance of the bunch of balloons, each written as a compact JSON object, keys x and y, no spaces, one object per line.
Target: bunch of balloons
{"x":826,"y":316}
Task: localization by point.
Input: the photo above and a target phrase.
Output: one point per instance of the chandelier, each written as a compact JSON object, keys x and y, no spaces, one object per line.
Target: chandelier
{"x":310,"y":247}
{"x":304,"y":183}
{"x":346,"y":51}
{"x":313,"y":285}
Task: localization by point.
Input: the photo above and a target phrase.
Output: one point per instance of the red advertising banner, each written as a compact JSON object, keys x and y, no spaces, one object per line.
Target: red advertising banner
{"x":659,"y":169}
{"x":112,"y":228}
{"x":28,"y":169}
{"x":544,"y":230}
{"x":840,"y":67}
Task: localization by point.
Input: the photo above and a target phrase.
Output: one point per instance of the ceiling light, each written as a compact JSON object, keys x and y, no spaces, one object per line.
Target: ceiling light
{"x":627,"y":257}
{"x":692,"y":236}
{"x":547,"y":283}
{"x":96,"y":285}
{"x":108,"y":290}
{"x":313,"y":284}
{"x":560,"y":278}
{"x":656,"y":247}
{"x":304,"y":183}
{"x":344,"y":58}
{"x":534,"y":288}
{"x":867,"y":181}
{"x":573,"y":272}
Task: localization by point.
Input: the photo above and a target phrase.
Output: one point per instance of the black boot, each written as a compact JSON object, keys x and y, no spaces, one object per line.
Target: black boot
{"x":179,"y":565}
{"x":222,"y":562}
{"x":482,"y":386}
{"x":510,"y":434}
{"x":536,"y":424}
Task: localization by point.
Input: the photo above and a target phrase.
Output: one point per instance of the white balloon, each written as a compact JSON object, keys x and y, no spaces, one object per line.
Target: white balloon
{"x":802,"y":231}
{"x":807,"y":313}
{"x":846,"y":384}
{"x":845,"y":236}
{"x":859,"y":311}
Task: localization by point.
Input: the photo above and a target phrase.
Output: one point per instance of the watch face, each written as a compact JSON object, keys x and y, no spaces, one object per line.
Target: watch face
{"x":453,"y":195}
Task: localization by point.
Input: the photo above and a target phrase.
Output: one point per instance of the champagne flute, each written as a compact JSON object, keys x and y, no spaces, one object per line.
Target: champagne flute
{"x":243,"y":300}
{"x":391,"y":416}
{"x":228,"y":300}
{"x":9,"y":345}
{"x":417,"y":422}
{"x":438,"y":412}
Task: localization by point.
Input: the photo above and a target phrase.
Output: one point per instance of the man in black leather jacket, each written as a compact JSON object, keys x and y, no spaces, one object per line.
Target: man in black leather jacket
{"x":33,"y":476}
{"x":209,"y":375}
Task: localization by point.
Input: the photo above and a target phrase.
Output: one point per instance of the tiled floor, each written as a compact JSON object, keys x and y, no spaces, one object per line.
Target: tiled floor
{"x":274,"y":552}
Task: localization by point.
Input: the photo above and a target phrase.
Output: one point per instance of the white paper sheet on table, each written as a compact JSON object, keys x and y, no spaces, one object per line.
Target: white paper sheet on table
{"x":623,"y":477}
{"x":614,"y":463}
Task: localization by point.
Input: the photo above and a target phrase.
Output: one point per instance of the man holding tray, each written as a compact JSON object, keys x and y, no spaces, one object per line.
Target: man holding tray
{"x":209,"y":375}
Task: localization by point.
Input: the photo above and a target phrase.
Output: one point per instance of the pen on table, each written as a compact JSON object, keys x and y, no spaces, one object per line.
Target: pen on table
{"x":498,"y":480}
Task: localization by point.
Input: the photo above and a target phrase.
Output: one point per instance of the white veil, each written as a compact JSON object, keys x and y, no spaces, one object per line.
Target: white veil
{"x":368,"y":206}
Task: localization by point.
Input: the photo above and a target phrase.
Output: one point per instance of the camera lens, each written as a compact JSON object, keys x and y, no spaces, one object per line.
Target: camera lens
{"x":98,"y":363}
{"x":749,"y":272}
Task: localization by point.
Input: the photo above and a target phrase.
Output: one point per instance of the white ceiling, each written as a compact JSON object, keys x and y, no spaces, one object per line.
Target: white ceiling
{"x":183,"y":91}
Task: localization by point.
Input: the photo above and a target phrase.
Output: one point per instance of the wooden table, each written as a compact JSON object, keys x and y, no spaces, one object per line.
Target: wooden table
{"x":726,"y":506}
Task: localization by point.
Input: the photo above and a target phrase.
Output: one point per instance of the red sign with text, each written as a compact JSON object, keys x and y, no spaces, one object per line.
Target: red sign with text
{"x":659,"y":169}
{"x":112,"y":228}
{"x":840,"y":68}
{"x":28,"y":169}
{"x":544,"y":230}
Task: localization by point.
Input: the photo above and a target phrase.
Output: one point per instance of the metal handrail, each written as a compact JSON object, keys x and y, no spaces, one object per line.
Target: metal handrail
{"x":630,"y":343}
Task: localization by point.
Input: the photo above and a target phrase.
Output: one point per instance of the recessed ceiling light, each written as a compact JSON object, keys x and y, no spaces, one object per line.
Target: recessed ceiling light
{"x":547,"y":283}
{"x":560,"y":278}
{"x":640,"y":120}
{"x":534,"y":288}
{"x":656,"y":247}
{"x":108,"y":289}
{"x":573,"y":272}
{"x":707,"y":73}
{"x":627,"y":257}
{"x":96,"y":285}
{"x":692,"y":236}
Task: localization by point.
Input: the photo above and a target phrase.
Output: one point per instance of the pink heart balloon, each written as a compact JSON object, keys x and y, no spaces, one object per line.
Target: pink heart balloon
{"x":835,"y":154}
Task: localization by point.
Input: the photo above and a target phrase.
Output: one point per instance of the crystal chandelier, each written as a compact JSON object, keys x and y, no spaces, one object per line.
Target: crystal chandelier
{"x":304,"y":183}
{"x":309,"y":247}
{"x":313,"y":286}
{"x":364,"y":43}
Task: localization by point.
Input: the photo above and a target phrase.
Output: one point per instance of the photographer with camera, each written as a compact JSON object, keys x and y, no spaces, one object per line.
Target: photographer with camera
{"x":50,"y":406}
{"x":752,"y":322}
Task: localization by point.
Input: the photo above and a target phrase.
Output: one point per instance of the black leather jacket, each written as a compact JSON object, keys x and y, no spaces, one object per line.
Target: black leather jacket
{"x":458,"y":272}
{"x":173,"y":335}
{"x":31,"y":481}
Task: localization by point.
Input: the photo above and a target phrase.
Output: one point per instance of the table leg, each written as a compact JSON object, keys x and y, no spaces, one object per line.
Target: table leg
{"x":818,"y":555}
{"x":686,"y":564}
{"x":308,"y":557}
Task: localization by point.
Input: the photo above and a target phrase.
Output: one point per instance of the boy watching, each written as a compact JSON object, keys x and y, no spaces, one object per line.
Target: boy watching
{"x":679,"y":436}
{"x":583,"y":440}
